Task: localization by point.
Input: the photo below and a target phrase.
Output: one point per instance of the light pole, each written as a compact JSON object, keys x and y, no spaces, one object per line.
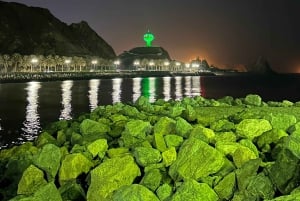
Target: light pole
{"x":34,"y":61}
{"x":117,"y":63}
{"x":151,"y":64}
{"x":177,"y":65}
{"x":94,"y":62}
{"x":67,"y":61}
{"x":136,"y":64}
{"x":166,"y":64}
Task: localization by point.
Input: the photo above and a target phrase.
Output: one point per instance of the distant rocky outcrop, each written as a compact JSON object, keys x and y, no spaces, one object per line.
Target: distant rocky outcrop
{"x":261,"y":66}
{"x":32,"y":30}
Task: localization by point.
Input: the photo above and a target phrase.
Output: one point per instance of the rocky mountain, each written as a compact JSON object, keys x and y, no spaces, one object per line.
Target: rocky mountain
{"x":260,"y":66}
{"x":33,"y":30}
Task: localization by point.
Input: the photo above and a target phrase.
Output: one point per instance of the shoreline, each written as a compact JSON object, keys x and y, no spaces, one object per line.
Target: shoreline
{"x":59,"y":76}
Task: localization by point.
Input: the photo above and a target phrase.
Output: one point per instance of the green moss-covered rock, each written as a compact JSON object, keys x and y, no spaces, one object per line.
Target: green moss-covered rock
{"x":195,"y":160}
{"x":134,"y":192}
{"x":91,"y":127}
{"x":226,"y":187}
{"x":164,"y":191}
{"x":117,"y":152}
{"x":253,"y":99}
{"x":271,"y":136}
{"x":113,"y":174}
{"x":45,"y":138}
{"x":173,"y":140}
{"x":222,"y":125}
{"x":251,"y":128}
{"x":72,"y":166}
{"x":32,"y":179}
{"x":165,"y":126}
{"x":98,"y":147}
{"x":192,"y":190}
{"x":49,"y":160}
{"x":241,"y":155}
{"x":159,"y":142}
{"x":183,"y":128}
{"x":152,"y":179}
{"x":135,"y":132}
{"x":281,"y":121}
{"x":72,"y":191}
{"x":146,"y":156}
{"x":48,"y":192}
{"x":202,"y":133}
{"x":169,"y":156}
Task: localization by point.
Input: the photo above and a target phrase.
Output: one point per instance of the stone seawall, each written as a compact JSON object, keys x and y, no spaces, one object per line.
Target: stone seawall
{"x":53,"y":76}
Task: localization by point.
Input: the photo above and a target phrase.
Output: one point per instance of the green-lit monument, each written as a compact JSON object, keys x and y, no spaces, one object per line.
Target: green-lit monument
{"x":148,"y":38}
{"x":141,"y":54}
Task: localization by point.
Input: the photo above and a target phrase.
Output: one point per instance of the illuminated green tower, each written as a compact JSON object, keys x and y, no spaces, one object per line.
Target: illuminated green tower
{"x":148,"y":38}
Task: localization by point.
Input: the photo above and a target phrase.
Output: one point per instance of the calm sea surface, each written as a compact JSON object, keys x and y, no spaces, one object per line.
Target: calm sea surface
{"x":26,"y":107}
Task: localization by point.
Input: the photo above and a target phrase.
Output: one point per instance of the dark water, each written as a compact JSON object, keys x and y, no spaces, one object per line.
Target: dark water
{"x":26,"y":107}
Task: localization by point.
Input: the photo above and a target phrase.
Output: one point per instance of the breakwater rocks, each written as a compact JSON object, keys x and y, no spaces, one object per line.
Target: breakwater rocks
{"x":196,"y":148}
{"x":53,"y":76}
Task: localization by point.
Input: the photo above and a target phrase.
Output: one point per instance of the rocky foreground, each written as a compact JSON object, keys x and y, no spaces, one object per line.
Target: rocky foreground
{"x":193,"y":149}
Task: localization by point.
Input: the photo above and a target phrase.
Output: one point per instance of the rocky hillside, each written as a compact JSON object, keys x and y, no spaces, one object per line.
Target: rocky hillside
{"x":33,"y":30}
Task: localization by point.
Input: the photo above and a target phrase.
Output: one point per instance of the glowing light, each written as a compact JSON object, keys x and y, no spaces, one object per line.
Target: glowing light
{"x":151,"y":63}
{"x":67,"y":61}
{"x":166,"y":63}
{"x":117,"y":62}
{"x":188,"y":86}
{"x":195,"y":65}
{"x":94,"y":62}
{"x":34,"y":60}
{"x":148,"y":38}
{"x":136,"y":63}
{"x":196,"y":88}
{"x":187,"y":65}
{"x":177,"y":63}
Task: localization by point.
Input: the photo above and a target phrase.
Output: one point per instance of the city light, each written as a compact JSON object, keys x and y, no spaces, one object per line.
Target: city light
{"x":117,"y":62}
{"x":177,"y":63}
{"x":136,"y":63}
{"x":166,"y":63}
{"x":94,"y":62}
{"x":67,"y":61}
{"x":187,"y":65}
{"x":34,"y":60}
{"x":151,"y":63}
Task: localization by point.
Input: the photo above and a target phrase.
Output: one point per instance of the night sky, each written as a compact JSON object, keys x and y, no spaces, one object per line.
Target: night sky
{"x":224,"y":32}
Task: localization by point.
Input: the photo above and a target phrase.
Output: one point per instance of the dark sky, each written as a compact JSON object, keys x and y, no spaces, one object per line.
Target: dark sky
{"x":225,"y":32}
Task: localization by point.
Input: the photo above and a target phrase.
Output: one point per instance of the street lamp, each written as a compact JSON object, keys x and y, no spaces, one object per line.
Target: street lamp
{"x":177,"y":65}
{"x":166,"y":64}
{"x":117,"y":63}
{"x":34,"y":61}
{"x":94,"y":62}
{"x":151,"y":64}
{"x":67,"y":61}
{"x":136,"y":64}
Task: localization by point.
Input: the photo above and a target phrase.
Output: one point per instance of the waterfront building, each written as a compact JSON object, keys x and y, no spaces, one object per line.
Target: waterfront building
{"x":148,"y":57}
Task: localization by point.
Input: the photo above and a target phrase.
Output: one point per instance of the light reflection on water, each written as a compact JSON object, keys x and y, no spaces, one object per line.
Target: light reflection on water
{"x":66,"y":88}
{"x":87,"y":99}
{"x":178,"y":88}
{"x":136,"y":88}
{"x":93,"y":93}
{"x":167,"y":88}
{"x":32,"y":119}
{"x":116,"y":93}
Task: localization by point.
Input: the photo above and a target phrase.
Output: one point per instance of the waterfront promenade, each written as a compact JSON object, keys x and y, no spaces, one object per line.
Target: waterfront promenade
{"x":53,"y":76}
